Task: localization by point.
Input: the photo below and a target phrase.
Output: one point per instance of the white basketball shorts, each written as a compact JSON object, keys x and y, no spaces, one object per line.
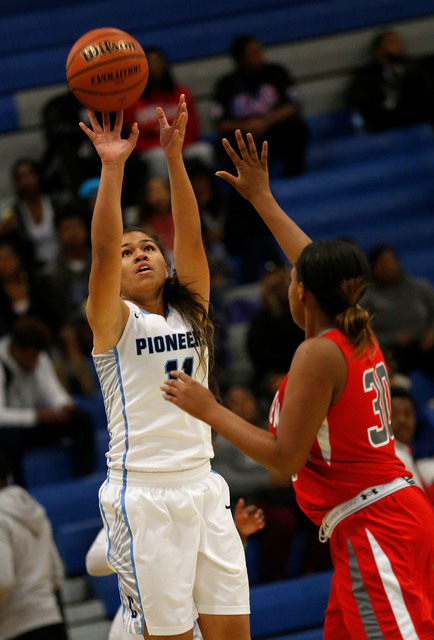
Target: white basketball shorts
{"x":175,"y":548}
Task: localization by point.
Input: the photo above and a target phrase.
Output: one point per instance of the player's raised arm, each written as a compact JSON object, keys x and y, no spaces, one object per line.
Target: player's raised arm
{"x":106,"y":312}
{"x":190,"y":259}
{"x":252,"y":182}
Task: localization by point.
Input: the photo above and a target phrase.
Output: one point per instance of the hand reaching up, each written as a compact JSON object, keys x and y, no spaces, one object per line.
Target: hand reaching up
{"x":110,"y":146}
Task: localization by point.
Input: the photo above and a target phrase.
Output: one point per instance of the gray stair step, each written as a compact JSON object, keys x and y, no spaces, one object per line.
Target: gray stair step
{"x":85,"y":612}
{"x":91,"y":631}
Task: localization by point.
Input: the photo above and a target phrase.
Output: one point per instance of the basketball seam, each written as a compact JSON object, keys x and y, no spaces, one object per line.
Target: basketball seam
{"x":105,"y":94}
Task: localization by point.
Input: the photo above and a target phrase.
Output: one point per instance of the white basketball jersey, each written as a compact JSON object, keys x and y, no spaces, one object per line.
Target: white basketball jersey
{"x":147,"y":433}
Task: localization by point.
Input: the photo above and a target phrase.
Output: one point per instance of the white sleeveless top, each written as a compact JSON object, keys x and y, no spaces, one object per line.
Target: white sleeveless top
{"x":147,"y":433}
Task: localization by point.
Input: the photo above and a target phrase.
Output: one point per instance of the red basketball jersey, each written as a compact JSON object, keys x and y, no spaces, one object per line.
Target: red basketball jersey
{"x":354,"y":448}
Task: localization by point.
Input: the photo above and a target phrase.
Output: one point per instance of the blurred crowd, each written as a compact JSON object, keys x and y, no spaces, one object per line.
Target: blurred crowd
{"x":46,"y":367}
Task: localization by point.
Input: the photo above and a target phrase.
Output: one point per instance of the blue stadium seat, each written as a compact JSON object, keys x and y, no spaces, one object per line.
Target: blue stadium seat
{"x":70,"y":501}
{"x":8,"y":115}
{"x":73,"y":541}
{"x":290,"y":605}
{"x":46,"y":465}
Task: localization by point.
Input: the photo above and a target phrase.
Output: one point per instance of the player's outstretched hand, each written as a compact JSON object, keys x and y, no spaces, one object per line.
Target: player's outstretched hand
{"x":108,"y":141}
{"x":252,"y":178}
{"x":189,"y":395}
{"x":172,"y":135}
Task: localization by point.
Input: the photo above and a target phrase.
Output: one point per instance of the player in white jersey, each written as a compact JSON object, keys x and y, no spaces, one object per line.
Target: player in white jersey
{"x":171,"y":536}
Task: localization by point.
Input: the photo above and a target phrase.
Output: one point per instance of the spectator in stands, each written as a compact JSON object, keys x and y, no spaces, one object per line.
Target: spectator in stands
{"x":248,"y":520}
{"x":68,"y":277}
{"x":261,"y":98}
{"x":392,"y":90}
{"x":164,"y":91}
{"x":155,"y":213}
{"x":30,"y":221}
{"x":35,"y":410}
{"x":403,"y":311}
{"x":22,"y":292}
{"x":272,"y":336}
{"x":31,"y":571}
{"x":69,"y":159}
{"x":271,"y":491}
{"x":404,"y":424}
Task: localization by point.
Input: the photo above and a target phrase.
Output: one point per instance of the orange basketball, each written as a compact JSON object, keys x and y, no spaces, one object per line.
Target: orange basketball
{"x":107,"y":69}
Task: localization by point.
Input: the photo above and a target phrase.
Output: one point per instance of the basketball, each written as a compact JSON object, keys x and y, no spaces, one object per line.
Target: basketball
{"x":107,"y":69}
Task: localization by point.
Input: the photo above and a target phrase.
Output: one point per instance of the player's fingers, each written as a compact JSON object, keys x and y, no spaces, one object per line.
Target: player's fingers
{"x":119,"y":121}
{"x":231,"y":152}
{"x":106,"y":121}
{"x":161,"y":117}
{"x":180,"y":375}
{"x":94,"y":121}
{"x":227,"y":176}
{"x":242,"y":145}
{"x":252,"y":147}
{"x":264,"y":154}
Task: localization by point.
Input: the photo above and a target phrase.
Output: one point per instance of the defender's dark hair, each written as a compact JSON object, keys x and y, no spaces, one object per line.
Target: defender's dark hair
{"x":189,"y":304}
{"x":337,"y":274}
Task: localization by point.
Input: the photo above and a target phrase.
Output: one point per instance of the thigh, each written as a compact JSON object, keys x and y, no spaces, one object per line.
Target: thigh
{"x":383,"y":557}
{"x":153,"y":538}
{"x":221,"y":584}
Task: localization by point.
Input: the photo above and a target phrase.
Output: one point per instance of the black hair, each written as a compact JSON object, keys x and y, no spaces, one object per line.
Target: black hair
{"x":25,"y":160}
{"x":239,"y":45}
{"x":189,"y":305}
{"x":167,"y":83}
{"x":337,"y":274}
{"x":378,"y":250}
{"x":30,"y":333}
{"x":401,"y":392}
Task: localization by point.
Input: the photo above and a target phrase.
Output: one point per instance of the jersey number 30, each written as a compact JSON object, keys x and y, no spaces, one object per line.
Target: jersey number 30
{"x":377,"y":380}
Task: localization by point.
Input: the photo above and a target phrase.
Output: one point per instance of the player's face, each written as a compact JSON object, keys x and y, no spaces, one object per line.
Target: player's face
{"x":144,"y":268}
{"x":403,"y":419}
{"x":295,"y":303}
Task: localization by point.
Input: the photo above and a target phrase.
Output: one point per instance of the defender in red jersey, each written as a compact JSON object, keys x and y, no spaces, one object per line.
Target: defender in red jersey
{"x":330,"y":427}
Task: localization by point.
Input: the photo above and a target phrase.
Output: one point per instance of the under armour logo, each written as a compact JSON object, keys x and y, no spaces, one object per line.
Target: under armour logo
{"x":371,"y":492}
{"x":137,"y":315}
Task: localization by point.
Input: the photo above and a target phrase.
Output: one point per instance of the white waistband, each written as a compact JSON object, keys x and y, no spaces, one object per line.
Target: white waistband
{"x":160,"y":478}
{"x":360,"y":501}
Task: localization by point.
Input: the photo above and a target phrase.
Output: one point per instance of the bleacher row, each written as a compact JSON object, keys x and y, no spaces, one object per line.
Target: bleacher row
{"x":375,"y":188}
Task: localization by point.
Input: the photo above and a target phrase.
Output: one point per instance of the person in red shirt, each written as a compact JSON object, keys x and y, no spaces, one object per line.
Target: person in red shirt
{"x":330,"y":428}
{"x":163,"y":91}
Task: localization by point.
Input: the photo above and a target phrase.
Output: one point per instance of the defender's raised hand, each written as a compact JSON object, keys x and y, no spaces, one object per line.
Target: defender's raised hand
{"x":252,"y":178}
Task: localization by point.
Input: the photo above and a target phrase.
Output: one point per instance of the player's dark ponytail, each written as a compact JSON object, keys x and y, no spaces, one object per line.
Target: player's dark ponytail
{"x":337,"y":274}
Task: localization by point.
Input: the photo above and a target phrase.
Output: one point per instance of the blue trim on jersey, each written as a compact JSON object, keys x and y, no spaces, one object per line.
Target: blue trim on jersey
{"x":124,"y":483}
{"x":148,"y":313}
{"x":104,"y":517}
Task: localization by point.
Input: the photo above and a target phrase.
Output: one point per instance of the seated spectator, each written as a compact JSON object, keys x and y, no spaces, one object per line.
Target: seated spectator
{"x":261,"y":98}
{"x":392,"y":90}
{"x":31,"y":571}
{"x":272,"y":336}
{"x":35,"y":410}
{"x":403,"y":312}
{"x":69,"y":157}
{"x":163,"y":91}
{"x":23,"y":293}
{"x":404,"y":423}
{"x":30,"y":221}
{"x":68,"y":277}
